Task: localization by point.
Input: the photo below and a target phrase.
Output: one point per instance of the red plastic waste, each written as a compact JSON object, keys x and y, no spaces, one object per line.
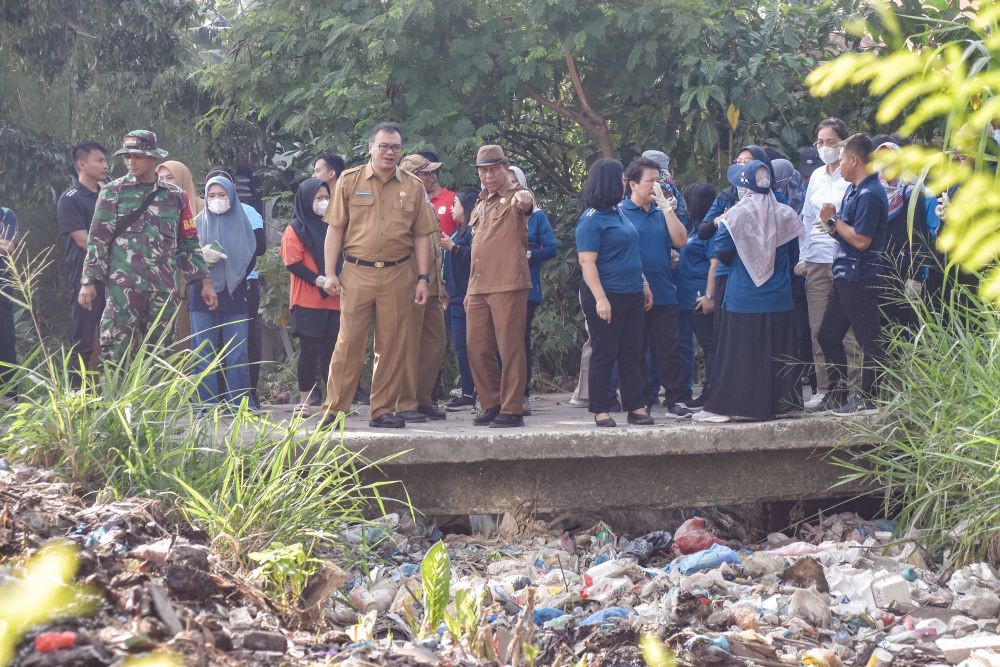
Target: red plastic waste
{"x":692,"y":536}
{"x":47,"y":642}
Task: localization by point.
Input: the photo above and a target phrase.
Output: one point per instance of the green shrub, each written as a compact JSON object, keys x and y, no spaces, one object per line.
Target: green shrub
{"x":936,"y":445}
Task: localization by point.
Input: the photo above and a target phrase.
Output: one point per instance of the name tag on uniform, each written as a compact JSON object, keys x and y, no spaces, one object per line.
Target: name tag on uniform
{"x":362,"y":193}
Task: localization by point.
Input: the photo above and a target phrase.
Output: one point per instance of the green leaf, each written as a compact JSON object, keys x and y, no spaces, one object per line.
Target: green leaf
{"x":435,"y":574}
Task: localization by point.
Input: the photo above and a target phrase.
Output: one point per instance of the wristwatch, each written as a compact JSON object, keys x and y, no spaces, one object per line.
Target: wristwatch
{"x":423,"y":276}
{"x":86,"y":282}
{"x":831,"y":223}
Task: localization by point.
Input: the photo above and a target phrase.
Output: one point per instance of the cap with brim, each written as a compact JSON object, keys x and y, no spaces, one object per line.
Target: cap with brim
{"x":809,"y":161}
{"x":141,"y":142}
{"x":490,"y":155}
{"x":659,"y":157}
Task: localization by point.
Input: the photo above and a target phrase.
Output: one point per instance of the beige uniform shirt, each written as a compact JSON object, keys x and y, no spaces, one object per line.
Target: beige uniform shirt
{"x":499,"y":244}
{"x":380,"y":220}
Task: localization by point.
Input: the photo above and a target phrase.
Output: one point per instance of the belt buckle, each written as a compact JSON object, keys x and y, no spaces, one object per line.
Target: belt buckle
{"x":379,"y":265}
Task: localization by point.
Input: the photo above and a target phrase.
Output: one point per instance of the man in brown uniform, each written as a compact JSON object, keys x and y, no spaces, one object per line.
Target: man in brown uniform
{"x":496,"y":303}
{"x":379,"y":217}
{"x":425,"y":337}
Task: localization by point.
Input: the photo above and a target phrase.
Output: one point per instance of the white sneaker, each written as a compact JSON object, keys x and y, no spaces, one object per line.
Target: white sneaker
{"x":814,"y":402}
{"x":579,"y":402}
{"x":710,"y":417}
{"x":456,"y":393}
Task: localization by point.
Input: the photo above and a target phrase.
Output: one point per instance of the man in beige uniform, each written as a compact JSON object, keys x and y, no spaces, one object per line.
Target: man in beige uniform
{"x":425,"y":338}
{"x":496,"y":303}
{"x":378,"y":216}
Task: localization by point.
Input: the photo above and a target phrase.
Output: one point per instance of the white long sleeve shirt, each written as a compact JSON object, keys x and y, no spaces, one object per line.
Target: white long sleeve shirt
{"x":824,"y":188}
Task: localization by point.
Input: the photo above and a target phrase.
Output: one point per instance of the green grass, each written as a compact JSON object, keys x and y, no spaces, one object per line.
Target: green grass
{"x":936,"y":445}
{"x":136,"y":428}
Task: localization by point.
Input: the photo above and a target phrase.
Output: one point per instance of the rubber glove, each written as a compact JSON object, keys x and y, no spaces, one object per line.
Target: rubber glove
{"x":211,"y":255}
{"x":661,"y":199}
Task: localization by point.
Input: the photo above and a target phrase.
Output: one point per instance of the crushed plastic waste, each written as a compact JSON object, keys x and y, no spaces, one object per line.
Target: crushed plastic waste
{"x":843,"y":591}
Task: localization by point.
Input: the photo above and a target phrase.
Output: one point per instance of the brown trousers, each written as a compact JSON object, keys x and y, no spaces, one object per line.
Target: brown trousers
{"x":388,"y":293}
{"x":495,"y":323}
{"x":819,"y":284}
{"x":425,"y":344}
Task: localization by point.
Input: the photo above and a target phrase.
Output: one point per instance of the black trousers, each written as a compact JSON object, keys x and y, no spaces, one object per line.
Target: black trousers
{"x":661,"y":336}
{"x":532,"y":306}
{"x":854,"y":304}
{"x":704,"y":331}
{"x":619,"y":340}
{"x":803,"y":335}
{"x":253,"y":334}
{"x":85,"y":326}
{"x":8,"y":346}
{"x":314,"y":361}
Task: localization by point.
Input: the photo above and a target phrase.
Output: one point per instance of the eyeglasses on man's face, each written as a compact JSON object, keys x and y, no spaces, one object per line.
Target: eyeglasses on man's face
{"x":389,"y":148}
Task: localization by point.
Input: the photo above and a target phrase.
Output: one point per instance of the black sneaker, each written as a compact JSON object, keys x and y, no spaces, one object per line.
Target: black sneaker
{"x":831,"y":401}
{"x":412,"y":416}
{"x":507,"y":421}
{"x":432,"y":412}
{"x":387,"y":420}
{"x":697,"y":402}
{"x":361,"y":398}
{"x":487,"y":416}
{"x":856,"y":405}
{"x":463,"y":402}
{"x":678,"y":411}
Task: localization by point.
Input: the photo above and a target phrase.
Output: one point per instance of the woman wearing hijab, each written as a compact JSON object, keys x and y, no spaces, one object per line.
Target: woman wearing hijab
{"x":176,"y":173}
{"x":754,"y":375}
{"x":718,"y":273}
{"x":788,"y":182}
{"x":229,"y":249}
{"x":315,"y":312}
{"x":457,"y":266}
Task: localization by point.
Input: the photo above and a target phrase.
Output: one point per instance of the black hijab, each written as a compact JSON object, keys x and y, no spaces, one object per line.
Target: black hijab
{"x":310,"y":227}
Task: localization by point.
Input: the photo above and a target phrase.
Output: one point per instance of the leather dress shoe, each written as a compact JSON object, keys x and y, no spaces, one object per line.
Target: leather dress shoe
{"x":412,"y":416}
{"x":507,"y":421}
{"x":432,"y":412}
{"x":487,"y":416}
{"x":387,"y":420}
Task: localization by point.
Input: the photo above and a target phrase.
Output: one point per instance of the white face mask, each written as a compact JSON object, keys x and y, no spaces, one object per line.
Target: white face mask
{"x":829,"y":154}
{"x":218,"y":206}
{"x":319,"y":207}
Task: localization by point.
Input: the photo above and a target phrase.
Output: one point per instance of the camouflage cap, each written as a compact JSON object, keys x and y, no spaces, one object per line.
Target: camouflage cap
{"x":141,"y":142}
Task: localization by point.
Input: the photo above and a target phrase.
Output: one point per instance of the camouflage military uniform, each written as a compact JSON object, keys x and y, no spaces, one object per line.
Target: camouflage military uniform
{"x":139,"y":267}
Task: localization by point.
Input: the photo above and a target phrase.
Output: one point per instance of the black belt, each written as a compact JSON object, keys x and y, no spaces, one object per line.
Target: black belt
{"x":375,"y":265}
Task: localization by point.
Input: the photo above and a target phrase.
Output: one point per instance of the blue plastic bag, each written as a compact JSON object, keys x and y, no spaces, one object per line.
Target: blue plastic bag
{"x":707,"y":559}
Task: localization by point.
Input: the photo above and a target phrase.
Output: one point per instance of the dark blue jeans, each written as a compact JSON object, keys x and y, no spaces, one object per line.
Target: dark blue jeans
{"x":222,"y":333}
{"x":685,"y":341}
{"x":456,"y":317}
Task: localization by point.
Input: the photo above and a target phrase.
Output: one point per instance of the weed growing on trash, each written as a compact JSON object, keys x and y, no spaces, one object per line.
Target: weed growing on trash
{"x":935,"y":450}
{"x":286,"y":568}
{"x":136,"y":428}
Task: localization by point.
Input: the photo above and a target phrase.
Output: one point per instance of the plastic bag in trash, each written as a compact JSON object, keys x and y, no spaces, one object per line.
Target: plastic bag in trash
{"x":708,"y":559}
{"x":692,"y":536}
{"x":653,"y":544}
{"x":606,"y":615}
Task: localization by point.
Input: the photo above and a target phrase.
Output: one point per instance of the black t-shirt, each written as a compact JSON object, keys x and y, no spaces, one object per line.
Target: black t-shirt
{"x":75,"y":210}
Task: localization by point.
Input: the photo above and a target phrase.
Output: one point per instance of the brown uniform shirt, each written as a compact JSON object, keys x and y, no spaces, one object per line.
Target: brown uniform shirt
{"x":499,"y":244}
{"x":380,"y":219}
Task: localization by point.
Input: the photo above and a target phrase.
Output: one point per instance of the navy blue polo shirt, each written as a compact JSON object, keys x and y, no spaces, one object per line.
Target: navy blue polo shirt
{"x":692,"y":272}
{"x":866,"y":209}
{"x":742,"y":296}
{"x":616,"y":242}
{"x":654,"y":248}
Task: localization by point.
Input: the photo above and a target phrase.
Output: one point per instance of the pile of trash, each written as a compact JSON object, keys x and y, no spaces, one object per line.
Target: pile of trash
{"x":842,"y":592}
